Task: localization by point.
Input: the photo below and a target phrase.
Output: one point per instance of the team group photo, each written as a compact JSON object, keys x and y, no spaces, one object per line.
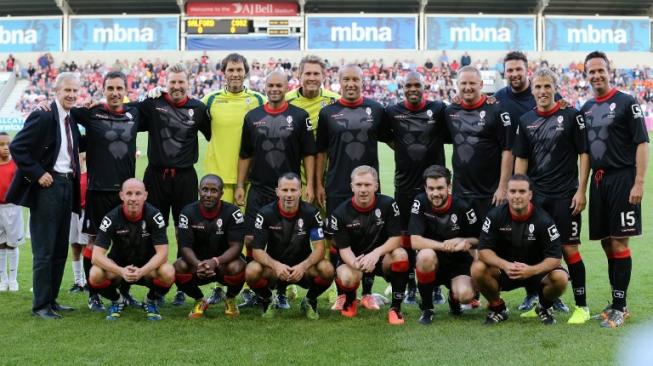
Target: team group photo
{"x":232,"y":203}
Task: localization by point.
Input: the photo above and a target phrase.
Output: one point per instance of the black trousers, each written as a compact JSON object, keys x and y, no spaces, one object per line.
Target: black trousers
{"x":49,"y":227}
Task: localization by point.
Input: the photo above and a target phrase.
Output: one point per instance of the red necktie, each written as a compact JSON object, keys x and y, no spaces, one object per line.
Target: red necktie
{"x":69,"y":137}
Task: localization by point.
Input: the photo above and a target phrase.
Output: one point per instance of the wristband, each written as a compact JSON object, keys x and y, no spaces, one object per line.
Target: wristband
{"x":217,"y":261}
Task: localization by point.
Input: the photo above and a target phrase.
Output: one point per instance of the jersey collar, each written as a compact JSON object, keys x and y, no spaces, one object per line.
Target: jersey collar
{"x":361,"y":209}
{"x":275,"y":111}
{"x":357,"y":103}
{"x":413,"y":108}
{"x":610,"y":94}
{"x":524,"y":217}
{"x":470,"y":107}
{"x":286,"y":214}
{"x":126,"y":214}
{"x":553,"y":110}
{"x":444,"y":208}
{"x":210,"y":215}
{"x":166,"y":96}
{"x":115,"y":113}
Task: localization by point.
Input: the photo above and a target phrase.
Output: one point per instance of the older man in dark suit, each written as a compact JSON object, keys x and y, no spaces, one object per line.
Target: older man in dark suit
{"x":47,"y":181}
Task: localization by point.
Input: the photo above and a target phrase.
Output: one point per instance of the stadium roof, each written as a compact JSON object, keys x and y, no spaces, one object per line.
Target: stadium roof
{"x":560,"y":7}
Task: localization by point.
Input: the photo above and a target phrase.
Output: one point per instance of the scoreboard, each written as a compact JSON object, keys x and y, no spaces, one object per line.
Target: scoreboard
{"x":218,"y":26}
{"x":222,"y":26}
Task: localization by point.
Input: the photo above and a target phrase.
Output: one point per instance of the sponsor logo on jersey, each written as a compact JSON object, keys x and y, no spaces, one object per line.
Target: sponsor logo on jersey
{"x":183,"y":221}
{"x":471,"y":216}
{"x":106,"y":223}
{"x":553,"y":232}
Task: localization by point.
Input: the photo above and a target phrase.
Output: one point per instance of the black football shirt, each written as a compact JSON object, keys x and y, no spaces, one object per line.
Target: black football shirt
{"x":479,"y":133}
{"x":418,"y":135}
{"x":110,"y":145}
{"x":285,"y":238}
{"x":615,"y":126}
{"x":551,"y":142}
{"x":348,"y":133}
{"x":364,"y":230}
{"x":132,"y":242}
{"x":527,"y":240}
{"x":172,"y":138}
{"x":276,"y":141}
{"x":209,"y":237}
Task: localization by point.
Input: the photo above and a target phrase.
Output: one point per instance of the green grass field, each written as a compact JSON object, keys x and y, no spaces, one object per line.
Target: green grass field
{"x":86,"y":338}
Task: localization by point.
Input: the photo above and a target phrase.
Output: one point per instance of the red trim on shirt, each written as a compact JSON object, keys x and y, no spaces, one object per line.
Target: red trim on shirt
{"x":446,"y":206}
{"x":357,"y":103}
{"x":470,"y":107}
{"x":168,"y":99}
{"x":363,"y":209}
{"x":279,"y":110}
{"x":549,"y":113}
{"x":286,"y":214}
{"x":524,"y":217}
{"x":124,"y":212}
{"x":610,"y":94}
{"x":415,"y":108}
{"x":115,"y":113}
{"x":210,"y":215}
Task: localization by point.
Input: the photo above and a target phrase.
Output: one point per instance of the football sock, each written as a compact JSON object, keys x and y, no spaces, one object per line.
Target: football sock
{"x":544,"y":302}
{"x":425,"y":285}
{"x":349,"y":291}
{"x":86,"y":264}
{"x":158,"y":289}
{"x":107,"y":289}
{"x":78,"y":273}
{"x":234,"y":284}
{"x":368,"y":282}
{"x":12,"y":264}
{"x":623,"y":265}
{"x":576,"y":268}
{"x":3,"y":267}
{"x":398,"y":281}
{"x":317,"y":288}
{"x":186,"y":283}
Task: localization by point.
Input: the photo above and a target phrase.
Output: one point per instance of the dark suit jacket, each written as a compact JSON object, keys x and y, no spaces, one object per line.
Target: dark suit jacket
{"x":35,"y":149}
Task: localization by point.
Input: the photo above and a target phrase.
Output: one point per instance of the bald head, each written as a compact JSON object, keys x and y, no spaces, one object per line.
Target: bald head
{"x":133,"y":196}
{"x":133,"y":183}
{"x":276,"y":86}
{"x":351,"y":82}
{"x":414,"y":87}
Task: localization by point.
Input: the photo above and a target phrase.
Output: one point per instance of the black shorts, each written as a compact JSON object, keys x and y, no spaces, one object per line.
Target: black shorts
{"x":170,"y":188}
{"x":332,"y":202}
{"x":256,"y":199}
{"x":378,"y":269}
{"x":534,"y":282}
{"x":405,"y":202}
{"x":610,"y":214}
{"x":98,"y":203}
{"x":558,"y":208}
{"x":448,"y":270}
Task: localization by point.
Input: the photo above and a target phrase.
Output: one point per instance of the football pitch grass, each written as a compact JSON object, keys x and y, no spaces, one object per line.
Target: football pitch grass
{"x":83,"y":337}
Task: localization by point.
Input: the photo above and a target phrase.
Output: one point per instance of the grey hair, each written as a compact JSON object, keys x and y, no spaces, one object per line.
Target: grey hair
{"x":350,"y":66}
{"x":65,"y":76}
{"x":177,"y":68}
{"x":545,"y":72}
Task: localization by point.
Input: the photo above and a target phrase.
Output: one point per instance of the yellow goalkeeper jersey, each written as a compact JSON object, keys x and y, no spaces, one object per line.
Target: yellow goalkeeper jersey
{"x":227,"y":114}
{"x":313,"y":105}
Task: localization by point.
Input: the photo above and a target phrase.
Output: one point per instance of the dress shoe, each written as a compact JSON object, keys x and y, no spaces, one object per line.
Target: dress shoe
{"x":46,"y":313}
{"x":58,"y":307}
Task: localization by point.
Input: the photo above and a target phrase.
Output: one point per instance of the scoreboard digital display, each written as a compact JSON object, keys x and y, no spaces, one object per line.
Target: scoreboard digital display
{"x":218,"y":26}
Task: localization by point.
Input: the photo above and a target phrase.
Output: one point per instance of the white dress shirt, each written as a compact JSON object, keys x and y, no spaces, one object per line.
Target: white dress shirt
{"x":63,"y":163}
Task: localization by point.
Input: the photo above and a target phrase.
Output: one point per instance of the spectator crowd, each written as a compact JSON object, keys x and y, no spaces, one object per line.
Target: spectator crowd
{"x":383,"y":80}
